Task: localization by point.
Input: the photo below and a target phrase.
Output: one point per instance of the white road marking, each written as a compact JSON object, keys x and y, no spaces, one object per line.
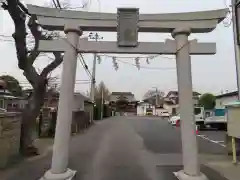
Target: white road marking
{"x":175,"y":174}
{"x":213,"y":141}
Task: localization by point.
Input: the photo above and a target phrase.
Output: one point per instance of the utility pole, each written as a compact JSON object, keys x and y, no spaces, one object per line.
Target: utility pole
{"x":95,"y":37}
{"x":156,"y":100}
{"x":102,"y":103}
{"x":236,"y":43}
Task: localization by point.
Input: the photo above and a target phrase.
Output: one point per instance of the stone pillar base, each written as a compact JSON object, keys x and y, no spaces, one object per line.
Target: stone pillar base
{"x":181,"y":175}
{"x":68,"y":175}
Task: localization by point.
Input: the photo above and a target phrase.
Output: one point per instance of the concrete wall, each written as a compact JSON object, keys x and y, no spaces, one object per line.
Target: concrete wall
{"x":78,"y":103}
{"x":10,"y":129}
{"x":80,"y":120}
{"x":224,"y":100}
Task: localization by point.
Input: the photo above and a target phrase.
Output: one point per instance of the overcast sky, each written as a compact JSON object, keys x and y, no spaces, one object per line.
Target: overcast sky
{"x":214,"y":73}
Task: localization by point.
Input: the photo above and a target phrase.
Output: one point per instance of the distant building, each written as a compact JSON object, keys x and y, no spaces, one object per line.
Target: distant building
{"x":173,"y":96}
{"x":7,"y":100}
{"x":115,"y":96}
{"x":145,"y":108}
{"x":223,"y":99}
{"x":171,"y":101}
{"x":80,"y":102}
{"x":51,"y":100}
{"x":128,"y":97}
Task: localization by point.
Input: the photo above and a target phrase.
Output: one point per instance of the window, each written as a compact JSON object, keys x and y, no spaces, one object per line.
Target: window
{"x":197,"y":111}
{"x":1,"y":103}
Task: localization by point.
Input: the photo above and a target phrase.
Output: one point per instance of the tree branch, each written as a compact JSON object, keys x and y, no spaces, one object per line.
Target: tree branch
{"x":20,"y":33}
{"x":26,"y":59}
{"x":50,"y":67}
{"x":33,"y":26}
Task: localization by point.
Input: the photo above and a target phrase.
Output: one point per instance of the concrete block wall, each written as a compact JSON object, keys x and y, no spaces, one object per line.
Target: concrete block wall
{"x":10,"y":129}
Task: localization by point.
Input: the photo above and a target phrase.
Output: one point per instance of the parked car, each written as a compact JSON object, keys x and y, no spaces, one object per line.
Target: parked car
{"x":174,"y":120}
{"x":2,"y":110}
{"x":149,"y":113}
{"x":164,"y":114}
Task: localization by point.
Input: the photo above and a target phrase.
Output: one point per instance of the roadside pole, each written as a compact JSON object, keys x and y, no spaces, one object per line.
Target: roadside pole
{"x":235,"y":142}
{"x":102,"y":104}
{"x":236,"y":46}
{"x":156,"y":100}
{"x":96,"y":37}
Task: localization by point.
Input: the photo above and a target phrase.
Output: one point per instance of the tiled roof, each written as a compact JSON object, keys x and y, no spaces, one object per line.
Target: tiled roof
{"x":176,"y":93}
{"x":116,"y":96}
{"x":234,"y":93}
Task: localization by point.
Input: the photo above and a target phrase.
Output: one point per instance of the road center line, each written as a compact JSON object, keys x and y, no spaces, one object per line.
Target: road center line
{"x":216,"y":142}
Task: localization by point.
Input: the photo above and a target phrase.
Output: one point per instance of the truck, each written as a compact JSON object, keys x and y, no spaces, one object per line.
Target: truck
{"x":199,"y":116}
{"x":216,"y":120}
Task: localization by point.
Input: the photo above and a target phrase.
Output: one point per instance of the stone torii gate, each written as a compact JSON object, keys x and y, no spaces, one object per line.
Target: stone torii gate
{"x":73,"y":23}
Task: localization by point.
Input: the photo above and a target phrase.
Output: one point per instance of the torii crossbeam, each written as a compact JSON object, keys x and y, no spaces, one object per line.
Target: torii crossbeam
{"x":168,"y":47}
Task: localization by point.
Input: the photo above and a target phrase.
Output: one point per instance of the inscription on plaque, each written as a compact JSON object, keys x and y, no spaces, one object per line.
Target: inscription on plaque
{"x":127,"y":29}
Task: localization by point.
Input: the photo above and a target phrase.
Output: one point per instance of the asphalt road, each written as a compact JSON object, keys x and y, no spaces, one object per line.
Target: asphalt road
{"x":125,"y":148}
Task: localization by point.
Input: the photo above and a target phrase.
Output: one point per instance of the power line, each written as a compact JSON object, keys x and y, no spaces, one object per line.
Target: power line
{"x":85,"y":66}
{"x":145,"y":67}
{"x":59,"y":5}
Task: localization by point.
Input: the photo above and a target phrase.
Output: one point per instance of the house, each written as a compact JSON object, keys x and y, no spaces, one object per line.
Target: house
{"x":223,"y":99}
{"x":129,"y":97}
{"x":173,"y":95}
{"x":145,"y":108}
{"x":170,"y":106}
{"x":171,"y":101}
{"x":80,"y":102}
{"x":7,"y":100}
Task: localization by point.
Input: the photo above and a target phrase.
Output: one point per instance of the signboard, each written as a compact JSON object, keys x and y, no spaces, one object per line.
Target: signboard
{"x":237,"y":16}
{"x":127,"y":28}
{"x":233,"y":121}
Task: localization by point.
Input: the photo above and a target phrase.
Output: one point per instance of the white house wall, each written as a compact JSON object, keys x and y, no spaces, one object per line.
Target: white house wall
{"x":224,"y":100}
{"x":169,"y":108}
{"x":78,"y":104}
{"x":142,"y":109}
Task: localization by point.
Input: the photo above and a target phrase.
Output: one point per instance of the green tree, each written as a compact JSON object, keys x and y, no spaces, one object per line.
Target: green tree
{"x":12,"y":85}
{"x":208,"y":101}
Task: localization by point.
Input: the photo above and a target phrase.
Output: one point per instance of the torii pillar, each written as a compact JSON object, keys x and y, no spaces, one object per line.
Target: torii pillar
{"x":59,"y":168}
{"x":191,"y":167}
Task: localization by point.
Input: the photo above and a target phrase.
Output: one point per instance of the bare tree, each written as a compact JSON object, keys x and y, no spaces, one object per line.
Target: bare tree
{"x":154,"y":96}
{"x":102,"y":89}
{"x":26,"y":57}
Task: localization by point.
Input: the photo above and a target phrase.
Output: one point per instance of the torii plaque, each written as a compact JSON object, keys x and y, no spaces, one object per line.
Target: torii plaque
{"x":73,"y":23}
